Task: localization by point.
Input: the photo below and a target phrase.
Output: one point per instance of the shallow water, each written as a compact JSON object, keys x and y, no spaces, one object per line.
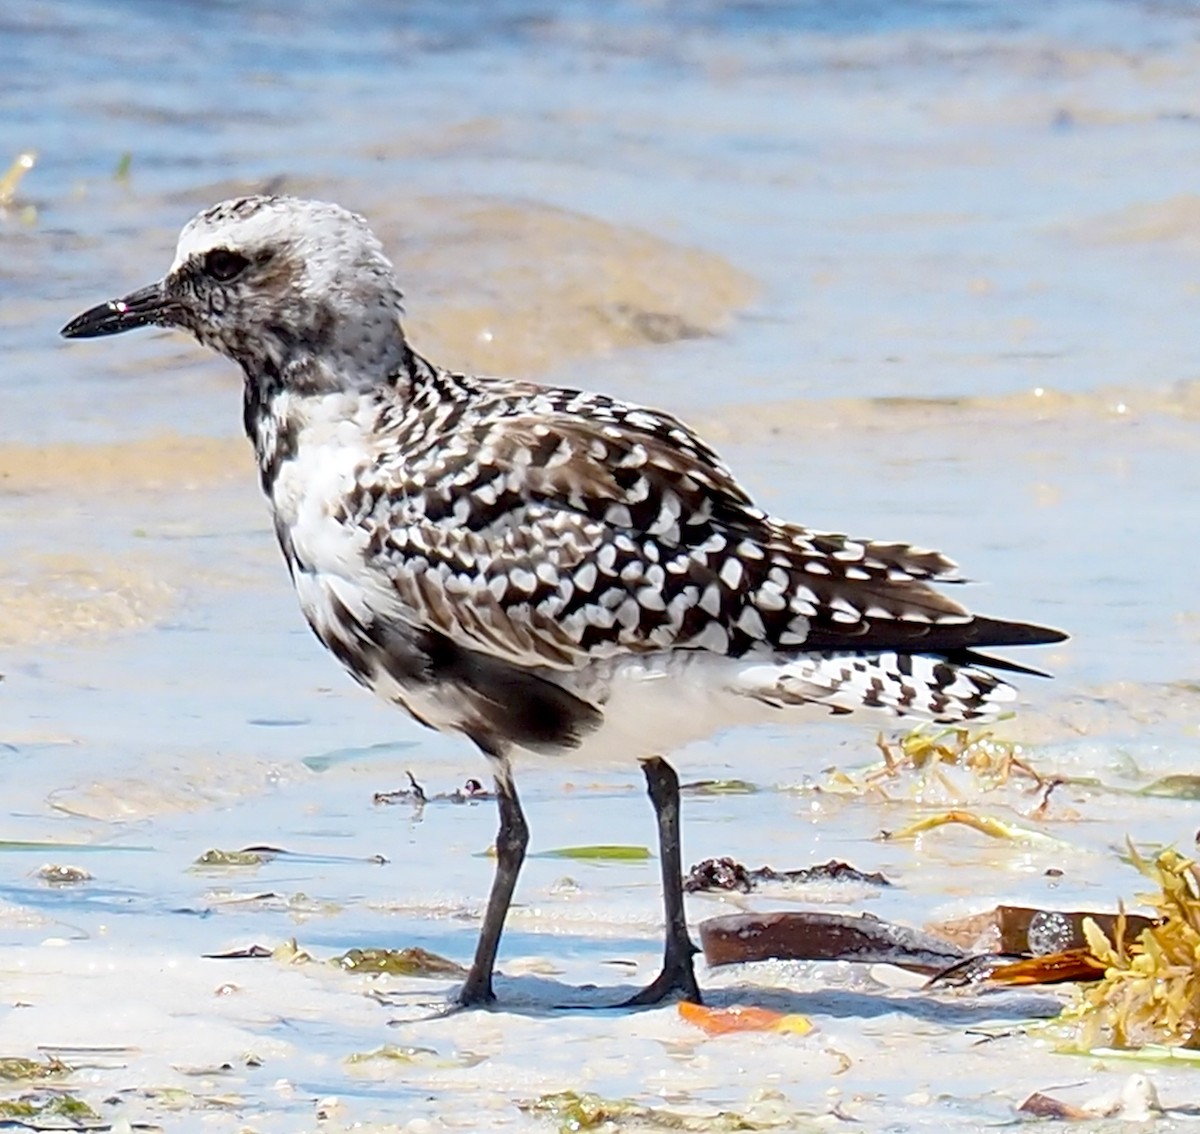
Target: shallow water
{"x":921,"y":271}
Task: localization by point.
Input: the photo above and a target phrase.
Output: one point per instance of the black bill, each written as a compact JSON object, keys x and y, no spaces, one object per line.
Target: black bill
{"x":139,"y":308}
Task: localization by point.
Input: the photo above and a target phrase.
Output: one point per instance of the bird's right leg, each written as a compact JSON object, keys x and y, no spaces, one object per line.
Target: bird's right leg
{"x":511,"y":841}
{"x":678,"y":976}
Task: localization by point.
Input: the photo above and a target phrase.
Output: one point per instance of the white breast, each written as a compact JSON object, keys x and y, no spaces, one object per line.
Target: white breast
{"x":307,"y":497}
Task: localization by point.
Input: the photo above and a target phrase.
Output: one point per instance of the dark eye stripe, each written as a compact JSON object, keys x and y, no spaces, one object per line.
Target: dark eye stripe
{"x":223,"y":264}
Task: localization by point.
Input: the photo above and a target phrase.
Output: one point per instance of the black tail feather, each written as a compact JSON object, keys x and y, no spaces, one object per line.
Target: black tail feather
{"x":971,"y":657}
{"x":998,"y":632}
{"x":907,"y":636}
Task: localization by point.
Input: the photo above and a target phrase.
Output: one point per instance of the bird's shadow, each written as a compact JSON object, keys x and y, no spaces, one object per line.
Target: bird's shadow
{"x":540,"y":997}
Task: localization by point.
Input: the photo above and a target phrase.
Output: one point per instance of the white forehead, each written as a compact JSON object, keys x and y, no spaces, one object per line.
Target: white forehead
{"x":308,"y":227}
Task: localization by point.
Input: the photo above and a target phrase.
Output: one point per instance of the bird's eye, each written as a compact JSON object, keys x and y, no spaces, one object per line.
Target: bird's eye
{"x":224,"y":265}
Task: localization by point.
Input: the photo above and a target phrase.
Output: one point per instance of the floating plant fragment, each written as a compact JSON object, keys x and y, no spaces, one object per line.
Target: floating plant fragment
{"x":986,"y":824}
{"x":47,"y":1111}
{"x":178,"y":1099}
{"x":55,"y":875}
{"x":411,"y":1056}
{"x":15,"y":1069}
{"x":21,"y":165}
{"x":471,"y":792}
{"x":21,"y":845}
{"x":576,"y":1110}
{"x":573,"y":1110}
{"x":226,"y":858}
{"x":719,"y":787}
{"x":290,"y":953}
{"x":599,"y":852}
{"x":1179,"y":786}
{"x":726,"y":874}
{"x":413,"y":961}
{"x":250,"y":953}
{"x":980,"y":752}
{"x":926,"y":750}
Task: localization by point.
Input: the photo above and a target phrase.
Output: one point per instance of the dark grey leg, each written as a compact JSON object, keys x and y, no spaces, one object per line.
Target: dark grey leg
{"x":678,"y":976}
{"x":511,"y":841}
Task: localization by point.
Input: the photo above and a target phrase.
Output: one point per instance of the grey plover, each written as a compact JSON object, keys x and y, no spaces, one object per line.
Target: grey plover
{"x":540,"y":569}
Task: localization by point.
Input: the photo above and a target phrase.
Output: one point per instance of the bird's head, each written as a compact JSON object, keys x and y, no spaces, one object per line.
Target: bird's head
{"x":272,"y":282}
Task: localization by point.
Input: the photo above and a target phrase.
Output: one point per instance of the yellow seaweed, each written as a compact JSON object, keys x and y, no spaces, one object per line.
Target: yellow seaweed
{"x":23,"y":163}
{"x":413,"y":961}
{"x":14,"y":1068}
{"x":53,"y":1106}
{"x":217,"y":858}
{"x":985,"y":824}
{"x":409,"y":1055}
{"x":581,"y":1110}
{"x":924,"y":754}
{"x":1149,"y":996}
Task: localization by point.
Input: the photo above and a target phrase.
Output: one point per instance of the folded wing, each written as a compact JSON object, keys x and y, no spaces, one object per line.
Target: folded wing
{"x":548,"y":538}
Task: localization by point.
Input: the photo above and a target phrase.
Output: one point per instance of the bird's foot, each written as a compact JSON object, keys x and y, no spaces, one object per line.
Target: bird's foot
{"x":676,"y":981}
{"x":476,"y":992}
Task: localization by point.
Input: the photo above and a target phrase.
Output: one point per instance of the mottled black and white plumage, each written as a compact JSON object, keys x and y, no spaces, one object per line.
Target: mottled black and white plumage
{"x":541,"y":569}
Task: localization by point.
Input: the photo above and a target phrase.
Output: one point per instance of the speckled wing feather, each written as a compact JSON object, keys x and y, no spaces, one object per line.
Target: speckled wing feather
{"x":550,"y":528}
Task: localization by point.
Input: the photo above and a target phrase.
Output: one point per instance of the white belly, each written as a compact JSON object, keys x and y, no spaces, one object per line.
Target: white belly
{"x":657,"y":704}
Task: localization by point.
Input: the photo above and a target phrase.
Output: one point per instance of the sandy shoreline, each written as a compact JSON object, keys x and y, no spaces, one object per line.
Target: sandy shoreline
{"x":920,"y":271}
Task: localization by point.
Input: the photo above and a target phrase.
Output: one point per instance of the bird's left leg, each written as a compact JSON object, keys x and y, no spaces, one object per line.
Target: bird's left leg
{"x":678,"y":976}
{"x":511,"y":841}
